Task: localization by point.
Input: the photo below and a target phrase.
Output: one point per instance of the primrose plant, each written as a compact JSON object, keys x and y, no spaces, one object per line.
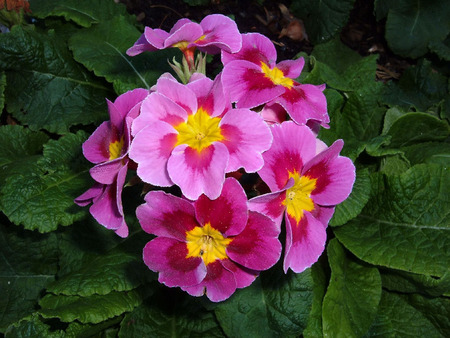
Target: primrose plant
{"x":201,"y":135}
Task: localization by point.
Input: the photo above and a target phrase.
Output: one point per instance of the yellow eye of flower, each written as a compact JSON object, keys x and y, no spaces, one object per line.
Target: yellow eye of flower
{"x":298,"y":197}
{"x":277,"y":76}
{"x":207,"y":243}
{"x":115,"y":149}
{"x":199,"y":131}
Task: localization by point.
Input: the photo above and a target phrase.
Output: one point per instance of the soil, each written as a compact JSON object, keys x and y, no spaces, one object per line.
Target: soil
{"x":273,"y":19}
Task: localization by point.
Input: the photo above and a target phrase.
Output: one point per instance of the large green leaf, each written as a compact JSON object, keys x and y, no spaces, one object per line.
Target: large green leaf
{"x":102,"y":48}
{"x":323,"y":19}
{"x":2,"y":90}
{"x":275,"y":305}
{"x":28,"y":263}
{"x":170,"y":313}
{"x":428,"y":152}
{"x":41,"y":196}
{"x":80,"y":11}
{"x":93,"y":309}
{"x":406,"y":223}
{"x":397,"y":318}
{"x":358,"y":198}
{"x":46,"y":88}
{"x":119,"y":269}
{"x":412,"y":24}
{"x":351,"y":302}
{"x":20,"y":148}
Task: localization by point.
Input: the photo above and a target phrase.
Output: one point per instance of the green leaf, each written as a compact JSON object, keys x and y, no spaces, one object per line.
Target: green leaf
{"x":41,"y":197}
{"x":394,"y":164}
{"x":120,"y":269}
{"x":34,"y":326}
{"x":421,"y":128}
{"x":275,"y":305}
{"x":2,"y":90}
{"x":28,"y":263}
{"x":397,"y":318}
{"x":102,"y":49}
{"x":406,"y":282}
{"x":314,"y":327}
{"x":420,"y":86}
{"x":428,"y":152}
{"x":358,"y":198}
{"x":93,"y":309}
{"x":170,"y":313}
{"x":412,"y":24}
{"x":406,"y":223}
{"x":351,"y":302}
{"x":441,"y":48}
{"x":323,"y":19}
{"x":46,"y":88}
{"x":20,"y":148}
{"x":81,"y":12}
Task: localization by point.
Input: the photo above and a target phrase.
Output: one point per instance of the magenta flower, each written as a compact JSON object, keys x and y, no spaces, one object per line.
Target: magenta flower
{"x":214,"y":33}
{"x":306,"y":181}
{"x":107,"y":147}
{"x":190,"y":136}
{"x":252,"y":78}
{"x":208,"y":246}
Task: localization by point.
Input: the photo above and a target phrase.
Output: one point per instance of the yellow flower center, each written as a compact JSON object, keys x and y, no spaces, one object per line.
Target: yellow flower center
{"x":298,"y":197}
{"x":199,"y":131}
{"x":181,"y":45}
{"x":115,"y":148}
{"x":277,"y":76}
{"x":207,"y":243}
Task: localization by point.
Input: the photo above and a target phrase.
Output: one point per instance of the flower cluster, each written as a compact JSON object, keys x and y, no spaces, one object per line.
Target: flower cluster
{"x":201,"y":135}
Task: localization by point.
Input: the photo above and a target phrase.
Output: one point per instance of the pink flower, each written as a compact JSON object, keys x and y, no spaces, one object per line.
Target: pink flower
{"x":214,"y":33}
{"x":252,"y":78}
{"x":307,"y":180}
{"x":208,"y":246}
{"x":190,"y":136}
{"x":107,"y":147}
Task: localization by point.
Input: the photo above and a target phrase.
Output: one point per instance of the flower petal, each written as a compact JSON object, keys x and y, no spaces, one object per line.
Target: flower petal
{"x":335,"y":175}
{"x":188,"y":32}
{"x":96,"y":147}
{"x":196,"y":172}
{"x":151,"y":149}
{"x":106,"y":173}
{"x":151,"y":40}
{"x":270,"y":205}
{"x":292,"y":146}
{"x":305,"y":242}
{"x":228,"y":213}
{"x":243,"y":276}
{"x":246,"y":137}
{"x":178,"y":93}
{"x":257,"y":247}
{"x":291,"y":68}
{"x":166,"y":215}
{"x":168,"y":257}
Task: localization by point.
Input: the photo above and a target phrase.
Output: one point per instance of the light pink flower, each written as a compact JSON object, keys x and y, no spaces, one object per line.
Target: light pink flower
{"x":252,"y":78}
{"x":107,"y":148}
{"x":208,"y":246}
{"x":306,"y":181}
{"x":190,"y":136}
{"x":214,"y":33}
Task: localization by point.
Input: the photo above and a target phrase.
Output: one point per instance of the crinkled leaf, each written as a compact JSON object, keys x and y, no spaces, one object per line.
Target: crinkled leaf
{"x":405,"y":282}
{"x":170,"y":313}
{"x":441,"y":48}
{"x":421,"y":128}
{"x":102,"y":48}
{"x":394,"y":164}
{"x":314,"y":327}
{"x":41,"y":197}
{"x":412,"y":24}
{"x":34,"y":326}
{"x":428,"y":152}
{"x":120,"y":269}
{"x":20,"y":148}
{"x":46,"y":88}
{"x":28,"y":263}
{"x":323,"y":19}
{"x":420,"y":86}
{"x":275,"y":305}
{"x":93,"y":309}
{"x":358,"y":198}
{"x":397,"y":318}
{"x":406,"y":223}
{"x":81,"y":12}
{"x":351,"y":302}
